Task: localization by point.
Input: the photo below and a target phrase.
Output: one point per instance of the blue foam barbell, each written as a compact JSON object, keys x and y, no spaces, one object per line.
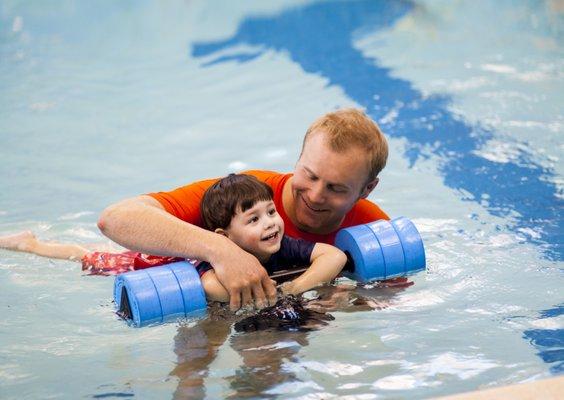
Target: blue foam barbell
{"x":382,"y":249}
{"x":159,"y":294}
{"x":378,"y":250}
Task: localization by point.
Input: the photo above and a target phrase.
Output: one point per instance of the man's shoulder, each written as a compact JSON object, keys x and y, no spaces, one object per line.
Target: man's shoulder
{"x":275,"y":180}
{"x":265,"y":175}
{"x":363,"y":212}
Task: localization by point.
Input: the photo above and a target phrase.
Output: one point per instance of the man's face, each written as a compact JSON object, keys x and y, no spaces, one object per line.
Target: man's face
{"x":327,"y":184}
{"x":258,"y":230}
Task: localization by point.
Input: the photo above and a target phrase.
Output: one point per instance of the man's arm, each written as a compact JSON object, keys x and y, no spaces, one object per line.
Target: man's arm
{"x":142,"y":224}
{"x":326,"y":263}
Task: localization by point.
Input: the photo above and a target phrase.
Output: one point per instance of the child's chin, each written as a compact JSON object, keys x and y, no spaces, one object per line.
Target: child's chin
{"x":274,"y":249}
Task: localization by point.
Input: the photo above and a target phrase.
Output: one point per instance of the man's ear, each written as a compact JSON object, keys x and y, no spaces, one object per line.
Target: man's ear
{"x":221,"y":232}
{"x":369,"y":187}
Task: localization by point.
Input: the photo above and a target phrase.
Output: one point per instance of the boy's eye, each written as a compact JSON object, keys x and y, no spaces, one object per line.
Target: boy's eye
{"x":272,"y":211}
{"x":253,"y":219}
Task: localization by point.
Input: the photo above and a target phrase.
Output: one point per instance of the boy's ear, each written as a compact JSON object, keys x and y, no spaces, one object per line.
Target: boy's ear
{"x":221,"y":232}
{"x":369,"y":187}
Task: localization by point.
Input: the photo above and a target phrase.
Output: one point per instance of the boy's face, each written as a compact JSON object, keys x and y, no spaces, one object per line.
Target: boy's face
{"x":258,"y":230}
{"x":326,"y":184}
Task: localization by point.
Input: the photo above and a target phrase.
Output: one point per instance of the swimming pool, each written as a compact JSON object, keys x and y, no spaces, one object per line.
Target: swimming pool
{"x":101,"y":102}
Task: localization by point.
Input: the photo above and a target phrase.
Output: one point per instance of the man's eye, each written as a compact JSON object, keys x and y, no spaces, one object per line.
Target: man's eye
{"x":337,"y":189}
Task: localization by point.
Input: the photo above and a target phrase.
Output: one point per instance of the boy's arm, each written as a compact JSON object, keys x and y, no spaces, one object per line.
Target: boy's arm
{"x":326,"y":263}
{"x":214,"y":290}
{"x":142,"y":224}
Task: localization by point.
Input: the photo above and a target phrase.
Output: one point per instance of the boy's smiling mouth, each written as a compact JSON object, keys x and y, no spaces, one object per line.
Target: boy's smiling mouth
{"x":272,"y":236}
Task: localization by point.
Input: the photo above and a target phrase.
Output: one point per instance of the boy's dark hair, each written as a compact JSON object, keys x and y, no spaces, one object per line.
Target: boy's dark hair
{"x":228,"y":195}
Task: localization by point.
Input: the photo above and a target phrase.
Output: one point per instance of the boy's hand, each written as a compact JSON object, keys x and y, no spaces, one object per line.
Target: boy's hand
{"x":286,"y":288}
{"x":243,"y":277}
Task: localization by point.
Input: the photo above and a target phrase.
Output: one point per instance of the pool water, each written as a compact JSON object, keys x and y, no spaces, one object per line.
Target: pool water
{"x":107,"y":101}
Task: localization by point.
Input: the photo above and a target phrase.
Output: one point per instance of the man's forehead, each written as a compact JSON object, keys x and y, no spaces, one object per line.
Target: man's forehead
{"x":318,"y":158}
{"x":318,"y":147}
{"x":318,"y":141}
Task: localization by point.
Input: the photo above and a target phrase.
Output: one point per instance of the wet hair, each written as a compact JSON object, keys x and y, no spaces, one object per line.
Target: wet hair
{"x":232,"y":194}
{"x":352,"y":127}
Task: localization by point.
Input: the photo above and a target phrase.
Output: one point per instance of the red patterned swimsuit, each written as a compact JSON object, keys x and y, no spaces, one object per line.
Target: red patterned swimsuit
{"x":101,"y":263}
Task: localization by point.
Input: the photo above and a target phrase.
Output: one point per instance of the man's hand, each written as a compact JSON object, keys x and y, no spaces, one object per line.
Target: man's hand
{"x":243,"y":276}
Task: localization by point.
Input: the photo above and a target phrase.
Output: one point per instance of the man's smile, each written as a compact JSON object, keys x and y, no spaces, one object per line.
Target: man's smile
{"x":313,"y":209}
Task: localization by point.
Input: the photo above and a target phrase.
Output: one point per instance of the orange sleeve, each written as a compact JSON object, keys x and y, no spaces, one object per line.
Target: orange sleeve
{"x":271,"y":178}
{"x":366,"y":211}
{"x":184,"y":202}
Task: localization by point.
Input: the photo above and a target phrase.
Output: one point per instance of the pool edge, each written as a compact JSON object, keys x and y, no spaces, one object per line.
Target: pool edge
{"x":546,"y":389}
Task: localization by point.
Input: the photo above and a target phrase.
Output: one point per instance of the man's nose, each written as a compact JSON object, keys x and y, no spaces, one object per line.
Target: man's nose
{"x":316,"y":193}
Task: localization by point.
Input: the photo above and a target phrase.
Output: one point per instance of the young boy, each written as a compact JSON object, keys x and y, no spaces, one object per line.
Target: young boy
{"x":239,"y":207}
{"x":242,"y":208}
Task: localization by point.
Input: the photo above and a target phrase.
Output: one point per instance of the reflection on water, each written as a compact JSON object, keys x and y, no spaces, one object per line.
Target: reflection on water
{"x":265,"y":351}
{"x":262,"y":353}
{"x":196,"y":347}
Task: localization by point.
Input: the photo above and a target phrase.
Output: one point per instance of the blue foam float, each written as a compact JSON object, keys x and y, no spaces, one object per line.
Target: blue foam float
{"x":382,"y":249}
{"x":160,"y":294}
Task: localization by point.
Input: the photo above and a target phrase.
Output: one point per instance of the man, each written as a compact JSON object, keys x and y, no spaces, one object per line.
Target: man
{"x":342,"y":154}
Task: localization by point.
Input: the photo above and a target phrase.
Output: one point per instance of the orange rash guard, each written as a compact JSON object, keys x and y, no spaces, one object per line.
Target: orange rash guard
{"x":184,"y":203}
